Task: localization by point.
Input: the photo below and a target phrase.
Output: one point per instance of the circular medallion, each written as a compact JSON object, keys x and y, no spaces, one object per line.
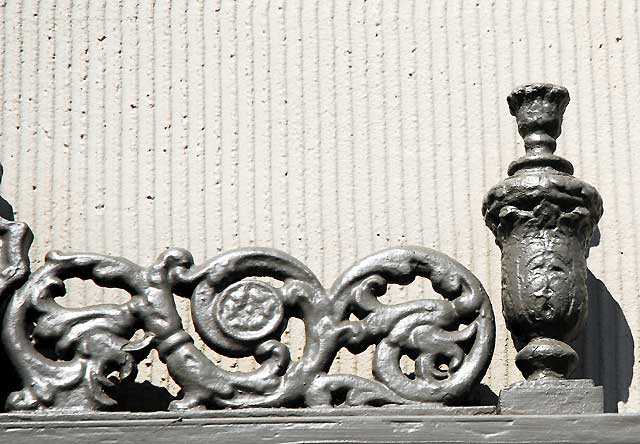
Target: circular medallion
{"x":249,"y":310}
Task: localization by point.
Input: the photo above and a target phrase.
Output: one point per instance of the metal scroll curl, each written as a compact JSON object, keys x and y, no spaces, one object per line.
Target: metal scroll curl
{"x":72,"y":358}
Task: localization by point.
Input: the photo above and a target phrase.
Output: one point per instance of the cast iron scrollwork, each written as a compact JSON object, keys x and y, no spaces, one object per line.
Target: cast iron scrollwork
{"x":69,"y":358}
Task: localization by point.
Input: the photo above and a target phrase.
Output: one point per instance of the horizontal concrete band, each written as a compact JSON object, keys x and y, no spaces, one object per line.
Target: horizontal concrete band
{"x":366,"y":425}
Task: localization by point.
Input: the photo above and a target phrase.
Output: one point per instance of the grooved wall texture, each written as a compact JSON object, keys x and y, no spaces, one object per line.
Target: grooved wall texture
{"x":329,"y":129}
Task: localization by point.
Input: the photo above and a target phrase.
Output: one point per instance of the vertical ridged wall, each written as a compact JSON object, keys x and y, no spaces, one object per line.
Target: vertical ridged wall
{"x":329,"y":129}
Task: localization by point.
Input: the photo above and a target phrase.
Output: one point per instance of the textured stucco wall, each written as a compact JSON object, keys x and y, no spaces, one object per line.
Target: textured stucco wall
{"x":329,"y":129}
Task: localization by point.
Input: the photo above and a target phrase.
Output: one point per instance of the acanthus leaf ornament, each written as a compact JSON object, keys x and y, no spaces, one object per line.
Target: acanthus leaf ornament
{"x":72,"y":358}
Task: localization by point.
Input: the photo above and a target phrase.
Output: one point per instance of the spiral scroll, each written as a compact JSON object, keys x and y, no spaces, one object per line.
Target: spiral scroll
{"x":67,"y":358}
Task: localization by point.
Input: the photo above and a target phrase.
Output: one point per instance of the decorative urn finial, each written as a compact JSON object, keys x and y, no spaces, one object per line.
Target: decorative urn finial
{"x":543,"y":219}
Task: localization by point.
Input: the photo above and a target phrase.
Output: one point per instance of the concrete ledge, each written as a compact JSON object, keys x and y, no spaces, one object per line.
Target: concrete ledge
{"x":379,"y":425}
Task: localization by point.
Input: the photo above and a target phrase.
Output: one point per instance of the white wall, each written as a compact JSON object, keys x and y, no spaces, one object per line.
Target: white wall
{"x":329,"y":129}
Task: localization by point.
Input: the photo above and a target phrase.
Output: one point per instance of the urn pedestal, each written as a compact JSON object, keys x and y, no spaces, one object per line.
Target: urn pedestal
{"x":543,"y":219}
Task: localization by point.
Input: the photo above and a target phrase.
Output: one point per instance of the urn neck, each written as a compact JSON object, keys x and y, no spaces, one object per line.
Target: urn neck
{"x":538,"y":109}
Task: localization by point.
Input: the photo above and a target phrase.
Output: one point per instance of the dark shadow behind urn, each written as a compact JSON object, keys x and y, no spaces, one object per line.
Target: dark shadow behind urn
{"x":606,"y":345}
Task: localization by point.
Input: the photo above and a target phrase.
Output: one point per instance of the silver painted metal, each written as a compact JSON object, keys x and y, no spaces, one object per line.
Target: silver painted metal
{"x":543,"y":219}
{"x":67,"y":357}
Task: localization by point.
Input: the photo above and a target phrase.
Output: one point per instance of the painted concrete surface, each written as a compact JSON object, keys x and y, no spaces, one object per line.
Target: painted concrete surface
{"x":377,"y":425}
{"x":328,"y":129}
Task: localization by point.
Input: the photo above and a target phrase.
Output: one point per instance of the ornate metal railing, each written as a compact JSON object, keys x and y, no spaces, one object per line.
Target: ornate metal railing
{"x":541,"y":215}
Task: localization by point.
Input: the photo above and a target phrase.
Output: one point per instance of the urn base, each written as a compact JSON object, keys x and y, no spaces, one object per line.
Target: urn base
{"x":552,"y":396}
{"x":544,"y":357}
